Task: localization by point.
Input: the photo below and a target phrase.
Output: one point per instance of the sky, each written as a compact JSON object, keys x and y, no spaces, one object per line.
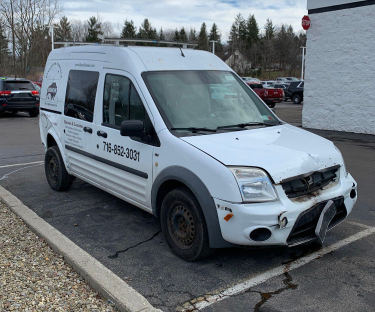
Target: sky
{"x":172,"y":14}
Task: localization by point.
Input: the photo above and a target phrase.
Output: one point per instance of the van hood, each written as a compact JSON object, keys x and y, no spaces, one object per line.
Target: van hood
{"x":283,"y":151}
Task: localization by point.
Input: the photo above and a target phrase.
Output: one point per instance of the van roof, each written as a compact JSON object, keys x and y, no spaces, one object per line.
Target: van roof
{"x":152,"y":58}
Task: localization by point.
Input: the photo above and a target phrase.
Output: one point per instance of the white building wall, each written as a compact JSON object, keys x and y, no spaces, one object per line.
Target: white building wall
{"x":339,"y":89}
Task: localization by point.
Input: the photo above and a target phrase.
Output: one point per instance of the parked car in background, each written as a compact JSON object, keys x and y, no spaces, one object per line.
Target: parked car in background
{"x":269,"y":83}
{"x":295,"y":91}
{"x":36,"y":86}
{"x":18,"y":94}
{"x":270,"y":96}
{"x":40,"y":81}
{"x":284,"y":87}
{"x":292,"y":79}
{"x":282,"y":80}
{"x":250,"y":79}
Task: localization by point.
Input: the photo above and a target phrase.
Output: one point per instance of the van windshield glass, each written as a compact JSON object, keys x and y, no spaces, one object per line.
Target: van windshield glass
{"x":205,"y":99}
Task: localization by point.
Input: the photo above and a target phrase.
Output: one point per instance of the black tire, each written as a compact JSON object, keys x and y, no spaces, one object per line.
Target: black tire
{"x":34,"y":112}
{"x":57,"y":176}
{"x":190,"y":241}
{"x":271,"y":105}
{"x":296,"y":99}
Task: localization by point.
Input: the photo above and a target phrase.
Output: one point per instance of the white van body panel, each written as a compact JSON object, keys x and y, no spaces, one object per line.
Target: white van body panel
{"x":218,"y":179}
{"x":298,"y":151}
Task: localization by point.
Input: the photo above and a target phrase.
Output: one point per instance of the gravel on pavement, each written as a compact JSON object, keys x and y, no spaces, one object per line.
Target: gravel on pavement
{"x":34,"y":278}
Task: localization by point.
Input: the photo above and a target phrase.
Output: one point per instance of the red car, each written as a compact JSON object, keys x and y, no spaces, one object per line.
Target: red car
{"x":39,"y":82}
{"x":270,"y":96}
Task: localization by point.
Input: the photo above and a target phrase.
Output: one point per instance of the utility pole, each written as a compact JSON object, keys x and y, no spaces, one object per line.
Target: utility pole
{"x":213,"y":45}
{"x":52,"y":37}
{"x":303,"y":61}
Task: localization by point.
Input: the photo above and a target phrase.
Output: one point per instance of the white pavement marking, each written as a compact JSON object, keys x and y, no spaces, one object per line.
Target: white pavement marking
{"x":24,"y":164}
{"x":263,"y":277}
{"x":8,"y":174}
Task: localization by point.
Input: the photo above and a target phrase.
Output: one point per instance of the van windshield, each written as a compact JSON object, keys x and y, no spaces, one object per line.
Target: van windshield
{"x":205,"y":99}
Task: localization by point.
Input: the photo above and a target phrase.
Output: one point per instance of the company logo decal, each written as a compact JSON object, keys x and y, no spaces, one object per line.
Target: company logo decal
{"x":52,"y":91}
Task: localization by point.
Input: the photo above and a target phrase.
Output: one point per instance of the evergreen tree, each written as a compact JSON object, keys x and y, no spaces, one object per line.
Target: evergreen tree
{"x":129,"y":30}
{"x":237,"y":35}
{"x":193,"y":35}
{"x":203,"y":38}
{"x":94,"y":30}
{"x":252,"y":31}
{"x":63,"y":30}
{"x":270,"y":30}
{"x":183,"y":35}
{"x":161,"y":34}
{"x":146,"y":31}
{"x":176,"y":36}
{"x":215,"y":35}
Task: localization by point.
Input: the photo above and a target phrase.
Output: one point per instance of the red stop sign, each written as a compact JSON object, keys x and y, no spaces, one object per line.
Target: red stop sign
{"x":306,"y":22}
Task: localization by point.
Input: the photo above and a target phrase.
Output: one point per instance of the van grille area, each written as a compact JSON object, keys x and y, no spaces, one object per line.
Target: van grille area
{"x":309,"y":184}
{"x":304,"y":228}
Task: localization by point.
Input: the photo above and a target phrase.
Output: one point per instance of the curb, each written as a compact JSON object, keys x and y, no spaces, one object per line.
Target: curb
{"x":103,"y":280}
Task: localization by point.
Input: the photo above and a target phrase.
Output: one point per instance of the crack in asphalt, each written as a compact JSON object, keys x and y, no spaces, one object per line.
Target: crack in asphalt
{"x":136,"y":245}
{"x":266,"y":296}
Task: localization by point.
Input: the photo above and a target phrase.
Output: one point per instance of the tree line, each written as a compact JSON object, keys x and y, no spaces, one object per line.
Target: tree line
{"x":25,"y":37}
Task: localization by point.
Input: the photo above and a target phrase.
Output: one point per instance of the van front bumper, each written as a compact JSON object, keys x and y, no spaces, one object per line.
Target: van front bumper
{"x":301,"y":216}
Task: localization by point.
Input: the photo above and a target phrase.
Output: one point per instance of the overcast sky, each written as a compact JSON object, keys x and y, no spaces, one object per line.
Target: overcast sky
{"x":170,"y":14}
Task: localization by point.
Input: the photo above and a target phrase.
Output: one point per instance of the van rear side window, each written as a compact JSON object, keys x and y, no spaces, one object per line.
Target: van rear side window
{"x":81,"y":94}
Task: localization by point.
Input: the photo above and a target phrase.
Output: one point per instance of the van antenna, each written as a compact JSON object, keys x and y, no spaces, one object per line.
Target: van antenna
{"x":182,"y":53}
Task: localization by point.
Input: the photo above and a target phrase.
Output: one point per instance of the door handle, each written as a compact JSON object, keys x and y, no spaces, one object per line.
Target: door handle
{"x":87,"y":129}
{"x":102,"y":134}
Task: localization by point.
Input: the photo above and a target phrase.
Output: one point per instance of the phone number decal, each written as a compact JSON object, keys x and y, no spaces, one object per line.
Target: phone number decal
{"x":121,"y":151}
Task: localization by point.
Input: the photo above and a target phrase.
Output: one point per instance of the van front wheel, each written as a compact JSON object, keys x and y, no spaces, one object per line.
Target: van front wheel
{"x":184,"y":226}
{"x":57,"y":176}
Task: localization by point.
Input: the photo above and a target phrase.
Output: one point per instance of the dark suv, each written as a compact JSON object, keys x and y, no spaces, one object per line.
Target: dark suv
{"x":295,"y":91}
{"x":18,"y":94}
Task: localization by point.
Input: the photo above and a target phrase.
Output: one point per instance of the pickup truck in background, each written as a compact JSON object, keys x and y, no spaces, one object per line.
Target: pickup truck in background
{"x":270,"y":96}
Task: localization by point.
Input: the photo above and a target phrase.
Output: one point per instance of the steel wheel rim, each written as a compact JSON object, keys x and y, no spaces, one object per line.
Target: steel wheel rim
{"x":53,"y":169}
{"x":181,"y":225}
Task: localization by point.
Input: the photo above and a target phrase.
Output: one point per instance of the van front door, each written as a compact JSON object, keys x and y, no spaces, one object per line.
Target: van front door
{"x":125,"y":163}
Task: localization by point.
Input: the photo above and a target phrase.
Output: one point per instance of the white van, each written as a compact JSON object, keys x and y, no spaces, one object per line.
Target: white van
{"x":142,"y":124}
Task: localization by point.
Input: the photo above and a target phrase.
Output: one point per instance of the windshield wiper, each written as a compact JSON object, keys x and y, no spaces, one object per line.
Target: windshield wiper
{"x":243,"y":125}
{"x":194,"y":129}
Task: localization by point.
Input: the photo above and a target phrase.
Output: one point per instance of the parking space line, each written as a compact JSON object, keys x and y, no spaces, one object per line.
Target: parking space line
{"x":24,"y":164}
{"x":14,"y":171}
{"x":205,"y":301}
{"x":359,"y":224}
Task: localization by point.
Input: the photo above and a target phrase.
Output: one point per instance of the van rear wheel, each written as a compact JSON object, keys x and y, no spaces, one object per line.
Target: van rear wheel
{"x":184,"y":226}
{"x":57,"y":176}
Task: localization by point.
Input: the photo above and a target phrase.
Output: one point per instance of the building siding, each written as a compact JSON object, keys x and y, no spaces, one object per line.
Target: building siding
{"x":340,"y":71}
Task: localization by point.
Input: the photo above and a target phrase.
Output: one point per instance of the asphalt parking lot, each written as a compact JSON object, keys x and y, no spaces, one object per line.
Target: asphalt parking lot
{"x":129,"y":241}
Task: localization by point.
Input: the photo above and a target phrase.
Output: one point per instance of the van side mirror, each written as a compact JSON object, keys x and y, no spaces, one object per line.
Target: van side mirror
{"x":132,"y":128}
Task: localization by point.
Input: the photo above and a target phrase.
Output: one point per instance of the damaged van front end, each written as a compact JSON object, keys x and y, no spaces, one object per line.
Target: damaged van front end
{"x":293,"y":184}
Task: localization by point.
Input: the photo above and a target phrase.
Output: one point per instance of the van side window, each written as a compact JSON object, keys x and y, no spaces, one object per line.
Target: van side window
{"x":121,"y":101}
{"x":116,"y":100}
{"x":81,"y":94}
{"x":137,"y":110}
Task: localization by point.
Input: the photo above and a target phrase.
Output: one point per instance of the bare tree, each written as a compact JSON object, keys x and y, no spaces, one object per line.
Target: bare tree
{"x":22,"y":18}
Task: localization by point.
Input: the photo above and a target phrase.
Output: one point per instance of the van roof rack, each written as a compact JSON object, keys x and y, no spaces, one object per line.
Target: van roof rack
{"x":116,"y":42}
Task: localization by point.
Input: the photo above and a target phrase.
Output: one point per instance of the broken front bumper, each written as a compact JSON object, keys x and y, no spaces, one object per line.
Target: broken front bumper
{"x":263,"y":224}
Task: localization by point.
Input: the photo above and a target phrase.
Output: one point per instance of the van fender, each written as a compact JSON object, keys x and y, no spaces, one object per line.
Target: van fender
{"x":53,"y":133}
{"x":200,"y":191}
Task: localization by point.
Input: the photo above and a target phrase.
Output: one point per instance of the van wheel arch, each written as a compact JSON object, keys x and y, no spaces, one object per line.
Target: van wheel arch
{"x":51,"y":141}
{"x":175,"y":177}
